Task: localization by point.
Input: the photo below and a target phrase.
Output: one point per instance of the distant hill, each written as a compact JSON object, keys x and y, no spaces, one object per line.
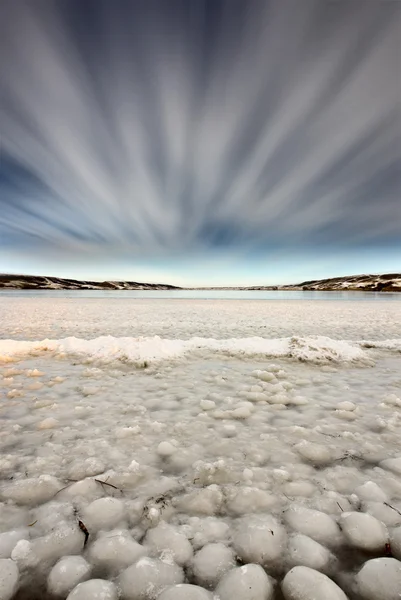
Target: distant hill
{"x":31,"y":282}
{"x":389,"y":282}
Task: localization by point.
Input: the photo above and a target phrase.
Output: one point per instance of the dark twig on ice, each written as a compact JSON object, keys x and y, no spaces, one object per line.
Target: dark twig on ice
{"x":389,"y":505}
{"x":82,"y":526}
{"x":102,"y":483}
{"x":84,"y":530}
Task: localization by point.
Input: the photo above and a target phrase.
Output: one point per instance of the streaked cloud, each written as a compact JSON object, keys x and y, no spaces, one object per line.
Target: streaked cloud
{"x":181,"y":126}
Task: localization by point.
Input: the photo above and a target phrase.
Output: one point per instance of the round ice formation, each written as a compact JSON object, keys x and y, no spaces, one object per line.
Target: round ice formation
{"x":165,"y":449}
{"x":206,"y":501}
{"x":384,"y":513}
{"x":259,"y":540}
{"x":379,"y":579}
{"x":145,"y":579}
{"x":115,"y":551}
{"x":48,"y":423}
{"x":364,"y":531}
{"x":66,"y":574}
{"x":207,"y":530}
{"x":9,"y":539}
{"x":316,"y":454}
{"x":370,"y":491}
{"x":104,"y":513}
{"x":346,"y":405}
{"x":8,"y":578}
{"x":264,"y":375}
{"x":303,"y":583}
{"x":86,"y":488}
{"x":304,"y":551}
{"x":184,"y":591}
{"x":392,"y":464}
{"x":34,"y":373}
{"x":242,"y":412}
{"x":250,"y":500}
{"x":46,"y":550}
{"x":249,"y":582}
{"x":314,"y":524}
{"x":211,"y":562}
{"x":94,"y":589}
{"x":167,"y":541}
{"x":299,"y":488}
{"x":207,"y":404}
{"x":86,"y":468}
{"x":31,"y":491}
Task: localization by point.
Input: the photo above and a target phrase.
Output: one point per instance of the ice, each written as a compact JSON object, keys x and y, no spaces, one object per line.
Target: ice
{"x":145,"y":579}
{"x":94,"y":589}
{"x":242,"y":412}
{"x":346,"y":405}
{"x":250,"y":500}
{"x":104,"y":513}
{"x":115,"y":551}
{"x":315,"y":349}
{"x":249,"y":582}
{"x":87,"y":467}
{"x":303,"y":583}
{"x":370,"y":491}
{"x":313,"y":523}
{"x":48,"y":423}
{"x":9,"y":539}
{"x":165,"y":449}
{"x":211,"y":562}
{"x":175,"y":433}
{"x":207,"y":404}
{"x":395,"y":541}
{"x":46,"y":550}
{"x":166,"y":540}
{"x":317,"y":454}
{"x":299,"y":488}
{"x":303,"y":551}
{"x":86,"y":489}
{"x":259,"y":540}
{"x":30,"y":491}
{"x":379,"y":579}
{"x":364,"y":531}
{"x":204,"y":531}
{"x":66,"y":574}
{"x":9,"y":575}
{"x":184,"y":591}
{"x":206,"y":501}
{"x":389,"y":514}
{"x":392,"y":464}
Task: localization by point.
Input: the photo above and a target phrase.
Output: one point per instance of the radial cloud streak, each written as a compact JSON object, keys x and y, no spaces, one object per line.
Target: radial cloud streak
{"x":181,"y":126}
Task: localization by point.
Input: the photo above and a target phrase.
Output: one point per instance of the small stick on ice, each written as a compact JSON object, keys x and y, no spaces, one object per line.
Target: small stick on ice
{"x":102,"y":483}
{"x":389,"y":505}
{"x":85,"y":531}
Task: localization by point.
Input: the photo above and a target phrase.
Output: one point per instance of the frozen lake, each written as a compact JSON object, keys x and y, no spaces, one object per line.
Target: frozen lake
{"x":193,"y":437}
{"x":204,"y":294}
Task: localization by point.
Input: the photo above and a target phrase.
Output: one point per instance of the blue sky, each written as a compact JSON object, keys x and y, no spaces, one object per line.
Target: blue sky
{"x":200,"y":142}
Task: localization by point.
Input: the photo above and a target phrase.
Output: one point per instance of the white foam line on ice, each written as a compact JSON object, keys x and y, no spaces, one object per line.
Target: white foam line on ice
{"x":310,"y":349}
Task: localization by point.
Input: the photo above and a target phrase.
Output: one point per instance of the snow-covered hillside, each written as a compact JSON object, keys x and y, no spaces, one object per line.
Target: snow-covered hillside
{"x":31,"y":282}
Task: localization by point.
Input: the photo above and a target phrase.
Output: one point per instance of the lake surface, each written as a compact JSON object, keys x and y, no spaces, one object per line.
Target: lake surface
{"x":170,"y":427}
{"x":205,"y":294}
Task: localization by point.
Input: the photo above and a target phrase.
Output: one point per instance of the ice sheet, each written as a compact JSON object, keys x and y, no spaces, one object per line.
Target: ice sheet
{"x":203,"y":423}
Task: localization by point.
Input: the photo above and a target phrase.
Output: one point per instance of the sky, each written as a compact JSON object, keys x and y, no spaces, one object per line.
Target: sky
{"x":200,"y":142}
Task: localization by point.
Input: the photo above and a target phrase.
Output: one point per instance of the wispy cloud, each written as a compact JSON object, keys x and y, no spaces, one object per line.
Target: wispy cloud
{"x":177,"y":126}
